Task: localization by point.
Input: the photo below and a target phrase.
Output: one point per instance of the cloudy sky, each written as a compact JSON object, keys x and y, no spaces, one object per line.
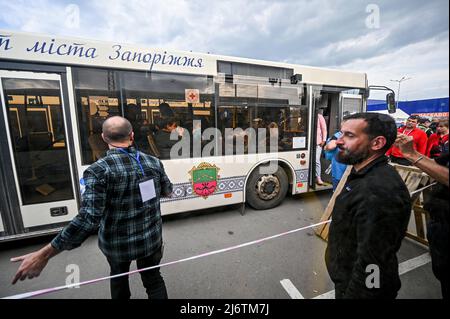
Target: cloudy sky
{"x":385,"y":39}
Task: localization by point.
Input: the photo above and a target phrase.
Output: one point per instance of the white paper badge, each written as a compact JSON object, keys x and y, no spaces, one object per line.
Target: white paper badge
{"x":147,"y":190}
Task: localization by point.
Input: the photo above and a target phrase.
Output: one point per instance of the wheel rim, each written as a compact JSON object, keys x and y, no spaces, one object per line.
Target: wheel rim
{"x":268,"y":187}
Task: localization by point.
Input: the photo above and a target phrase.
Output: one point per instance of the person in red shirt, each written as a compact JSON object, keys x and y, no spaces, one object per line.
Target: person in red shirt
{"x":437,"y":140}
{"x":419,"y":137}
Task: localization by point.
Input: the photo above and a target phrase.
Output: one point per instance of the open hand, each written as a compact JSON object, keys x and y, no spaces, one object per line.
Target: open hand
{"x":31,"y":266}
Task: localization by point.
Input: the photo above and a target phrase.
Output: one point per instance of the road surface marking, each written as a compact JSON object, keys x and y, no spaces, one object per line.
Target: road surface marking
{"x":291,"y":290}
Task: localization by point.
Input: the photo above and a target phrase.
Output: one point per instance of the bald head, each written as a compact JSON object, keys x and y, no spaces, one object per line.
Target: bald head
{"x":116,"y":129}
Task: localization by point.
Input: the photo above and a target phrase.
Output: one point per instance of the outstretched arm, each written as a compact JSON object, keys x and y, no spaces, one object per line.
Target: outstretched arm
{"x":429,"y":166}
{"x":73,"y":235}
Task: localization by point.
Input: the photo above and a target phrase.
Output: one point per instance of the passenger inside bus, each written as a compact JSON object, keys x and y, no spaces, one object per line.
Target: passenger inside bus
{"x":162,"y":137}
{"x":165,"y":110}
{"x":133,"y":114}
{"x":95,"y":140}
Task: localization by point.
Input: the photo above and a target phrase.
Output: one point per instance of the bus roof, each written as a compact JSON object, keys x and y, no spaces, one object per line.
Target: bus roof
{"x":33,"y":47}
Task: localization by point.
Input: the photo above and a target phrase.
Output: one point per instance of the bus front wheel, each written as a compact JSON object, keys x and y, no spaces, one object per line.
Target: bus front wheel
{"x":265,"y":191}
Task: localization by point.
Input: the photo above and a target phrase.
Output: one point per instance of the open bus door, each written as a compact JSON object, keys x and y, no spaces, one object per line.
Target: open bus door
{"x":334,"y":106}
{"x":35,"y":158}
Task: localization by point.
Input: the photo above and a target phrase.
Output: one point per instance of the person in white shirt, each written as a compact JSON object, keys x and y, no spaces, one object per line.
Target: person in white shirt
{"x":320,"y":141}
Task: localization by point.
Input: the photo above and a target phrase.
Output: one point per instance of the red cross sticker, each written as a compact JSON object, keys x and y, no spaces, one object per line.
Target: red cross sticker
{"x":192,"y":95}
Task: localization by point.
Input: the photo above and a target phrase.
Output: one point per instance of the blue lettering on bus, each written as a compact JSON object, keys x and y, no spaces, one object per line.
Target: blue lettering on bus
{"x":126,"y":56}
{"x":189,"y":62}
{"x":183,"y":63}
{"x":90,"y":53}
{"x":60,"y":48}
{"x":4,"y":41}
{"x":176,"y":60}
{"x":36,"y":48}
{"x":117,"y":49}
{"x":75,"y":49}
{"x":164,"y":58}
{"x":156,"y":59}
{"x":171,"y":59}
{"x":129,"y":56}
{"x":147,"y":58}
{"x":82,"y":51}
{"x":137,"y":56}
{"x":50,"y":49}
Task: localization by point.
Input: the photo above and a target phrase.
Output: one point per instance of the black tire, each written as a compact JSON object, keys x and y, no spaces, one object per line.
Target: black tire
{"x":265,"y":191}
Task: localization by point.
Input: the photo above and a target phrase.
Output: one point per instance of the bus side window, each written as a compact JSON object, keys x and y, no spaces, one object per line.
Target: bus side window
{"x":95,"y":140}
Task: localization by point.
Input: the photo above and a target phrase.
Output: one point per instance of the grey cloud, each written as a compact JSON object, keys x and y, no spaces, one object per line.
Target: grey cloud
{"x":320,"y":33}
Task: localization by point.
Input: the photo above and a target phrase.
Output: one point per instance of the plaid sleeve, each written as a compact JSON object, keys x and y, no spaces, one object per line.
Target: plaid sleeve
{"x":88,"y":219}
{"x":166,"y":184}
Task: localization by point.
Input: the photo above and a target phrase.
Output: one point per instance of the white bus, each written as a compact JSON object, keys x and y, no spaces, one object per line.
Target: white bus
{"x":56,"y":92}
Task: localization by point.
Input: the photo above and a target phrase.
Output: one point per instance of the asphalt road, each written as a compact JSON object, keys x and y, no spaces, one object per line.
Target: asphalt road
{"x":254,"y":271}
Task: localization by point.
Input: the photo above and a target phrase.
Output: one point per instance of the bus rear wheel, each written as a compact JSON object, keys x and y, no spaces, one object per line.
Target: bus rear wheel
{"x":265,"y":191}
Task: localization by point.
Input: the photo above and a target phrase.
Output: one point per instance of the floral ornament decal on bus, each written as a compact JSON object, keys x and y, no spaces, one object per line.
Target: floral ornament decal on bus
{"x":204,"y":179}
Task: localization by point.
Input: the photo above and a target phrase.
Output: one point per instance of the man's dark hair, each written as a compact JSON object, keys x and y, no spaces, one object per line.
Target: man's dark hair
{"x":167,"y":122}
{"x":414,"y":117}
{"x":377,"y":125}
{"x":423,"y":120}
{"x":165,"y":110}
{"x":116,"y":129}
{"x":443,"y":122}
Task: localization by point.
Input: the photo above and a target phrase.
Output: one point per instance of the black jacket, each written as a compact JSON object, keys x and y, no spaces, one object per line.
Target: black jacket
{"x":369,"y":221}
{"x":438,"y":227}
{"x":164,"y":143}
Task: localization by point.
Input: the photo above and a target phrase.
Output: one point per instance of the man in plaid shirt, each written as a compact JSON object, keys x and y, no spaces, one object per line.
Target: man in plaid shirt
{"x":127,"y":218}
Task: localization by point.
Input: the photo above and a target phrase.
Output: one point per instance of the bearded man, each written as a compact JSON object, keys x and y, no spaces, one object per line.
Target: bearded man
{"x":371,"y":214}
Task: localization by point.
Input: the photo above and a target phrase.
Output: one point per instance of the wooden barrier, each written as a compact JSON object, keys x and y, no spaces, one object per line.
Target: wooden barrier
{"x":322,"y":230}
{"x":414,"y":179}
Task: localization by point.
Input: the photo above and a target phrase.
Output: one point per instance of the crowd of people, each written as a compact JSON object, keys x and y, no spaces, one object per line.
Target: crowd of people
{"x":426,"y":141}
{"x":429,"y":138}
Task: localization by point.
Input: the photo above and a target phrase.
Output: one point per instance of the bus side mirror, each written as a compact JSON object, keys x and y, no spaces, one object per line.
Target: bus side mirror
{"x":390,"y":101}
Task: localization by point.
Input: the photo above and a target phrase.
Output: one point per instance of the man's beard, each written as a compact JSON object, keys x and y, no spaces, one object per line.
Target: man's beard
{"x":344,"y":156}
